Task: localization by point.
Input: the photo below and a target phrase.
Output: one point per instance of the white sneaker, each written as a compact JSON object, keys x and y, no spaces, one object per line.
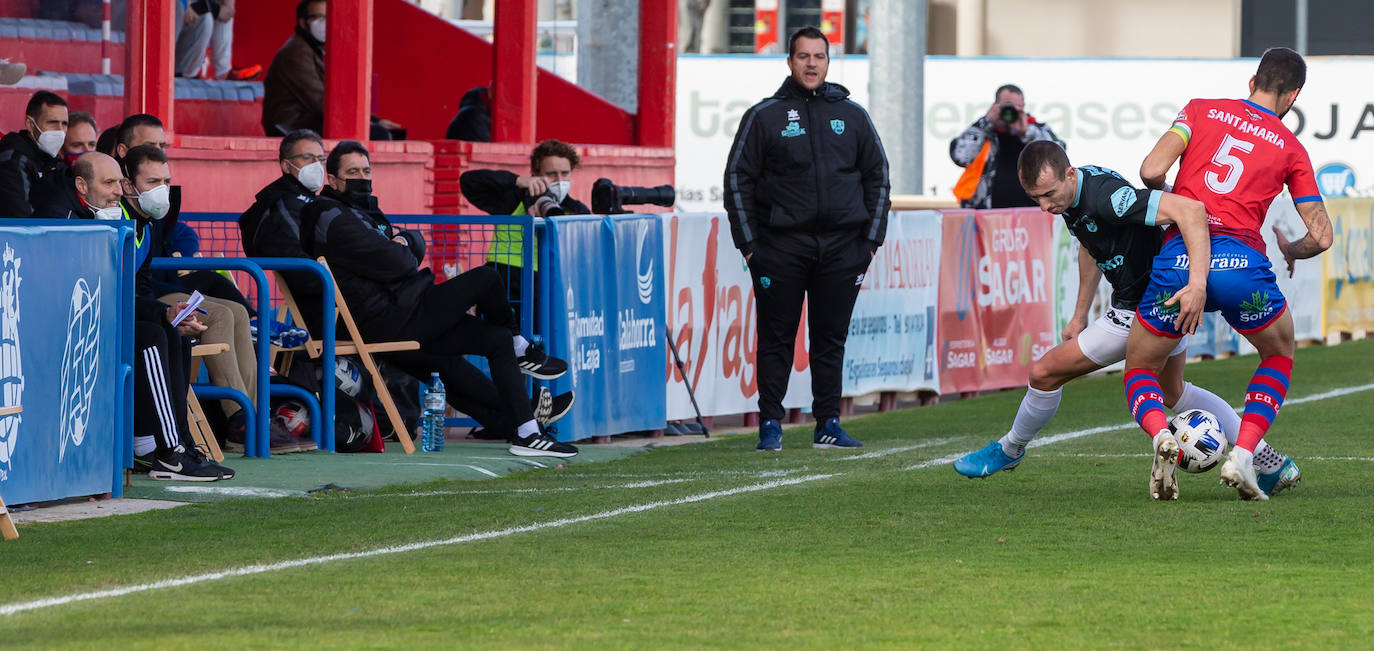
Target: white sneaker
{"x":1163,"y":484}
{"x":1241,"y":476}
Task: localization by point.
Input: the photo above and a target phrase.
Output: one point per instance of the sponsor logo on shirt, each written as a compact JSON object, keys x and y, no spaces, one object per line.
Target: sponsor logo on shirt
{"x":1122,"y":200}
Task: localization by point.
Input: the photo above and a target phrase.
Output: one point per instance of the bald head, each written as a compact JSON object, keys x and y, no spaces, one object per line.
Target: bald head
{"x":97,"y":179}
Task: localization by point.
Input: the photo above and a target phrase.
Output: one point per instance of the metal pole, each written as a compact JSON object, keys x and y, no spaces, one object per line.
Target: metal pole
{"x":105,"y":38}
{"x":1300,"y":25}
{"x":897,"y":50}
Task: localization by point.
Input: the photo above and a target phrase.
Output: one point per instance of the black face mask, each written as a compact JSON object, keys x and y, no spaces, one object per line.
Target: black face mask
{"x":358,"y":190}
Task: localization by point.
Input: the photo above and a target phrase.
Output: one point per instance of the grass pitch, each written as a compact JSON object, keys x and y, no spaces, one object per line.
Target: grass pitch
{"x":716,"y":545}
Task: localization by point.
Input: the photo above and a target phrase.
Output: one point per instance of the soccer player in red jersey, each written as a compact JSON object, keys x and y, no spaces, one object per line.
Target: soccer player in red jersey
{"x":1236,"y":156}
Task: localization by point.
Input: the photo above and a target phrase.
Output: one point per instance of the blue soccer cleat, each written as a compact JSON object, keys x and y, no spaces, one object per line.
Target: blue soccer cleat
{"x":770,"y":436}
{"x":830,"y":435}
{"x":985,"y":462}
{"x":1287,"y":476}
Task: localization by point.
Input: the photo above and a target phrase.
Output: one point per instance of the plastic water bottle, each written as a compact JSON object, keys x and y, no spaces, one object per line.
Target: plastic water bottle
{"x":432,"y":420}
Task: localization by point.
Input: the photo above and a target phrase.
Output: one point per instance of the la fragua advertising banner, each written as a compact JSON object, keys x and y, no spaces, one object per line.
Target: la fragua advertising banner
{"x":607,"y":322}
{"x":60,"y":359}
{"x":996,"y":297}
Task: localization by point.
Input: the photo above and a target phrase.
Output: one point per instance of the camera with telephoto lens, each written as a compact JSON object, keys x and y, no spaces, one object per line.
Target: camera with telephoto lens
{"x":610,"y":199}
{"x":546,"y":205}
{"x":1008,"y":113}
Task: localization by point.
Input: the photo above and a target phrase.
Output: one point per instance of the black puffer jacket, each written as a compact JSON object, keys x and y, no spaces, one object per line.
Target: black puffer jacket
{"x":806,"y":161}
{"x":29,"y":177}
{"x":271,"y":228}
{"x":379,"y":278}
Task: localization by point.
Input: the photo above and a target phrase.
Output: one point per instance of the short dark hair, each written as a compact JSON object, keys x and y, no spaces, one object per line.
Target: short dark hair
{"x":292,"y":139}
{"x":808,"y":31}
{"x":1011,"y":87}
{"x":342,"y":149}
{"x":303,"y":8}
{"x":81,"y":117}
{"x":1036,"y":156}
{"x":105,"y":144}
{"x":553,"y":148}
{"x":137,"y":156}
{"x":126,"y":128}
{"x":84,"y":168}
{"x":1281,"y":71}
{"x":41,"y":99}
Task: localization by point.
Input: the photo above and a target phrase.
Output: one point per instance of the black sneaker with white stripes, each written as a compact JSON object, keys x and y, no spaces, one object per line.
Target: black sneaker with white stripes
{"x":541,"y":445}
{"x":548,"y":408}
{"x":177,"y":465}
{"x":538,"y":364}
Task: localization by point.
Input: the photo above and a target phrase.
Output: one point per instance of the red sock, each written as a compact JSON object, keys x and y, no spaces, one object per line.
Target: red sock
{"x":1263,"y":398}
{"x":1146,"y":400}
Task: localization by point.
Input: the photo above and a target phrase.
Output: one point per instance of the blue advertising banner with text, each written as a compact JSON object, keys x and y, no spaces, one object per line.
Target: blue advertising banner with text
{"x":60,"y":360}
{"x":608,"y":322}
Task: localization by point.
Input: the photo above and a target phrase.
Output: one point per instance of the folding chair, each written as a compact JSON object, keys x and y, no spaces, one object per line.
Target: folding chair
{"x":6,"y":524}
{"x":200,"y":427}
{"x":353,"y":345}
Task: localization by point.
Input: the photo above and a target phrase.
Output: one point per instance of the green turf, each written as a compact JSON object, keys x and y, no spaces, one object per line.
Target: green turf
{"x":889,"y":551}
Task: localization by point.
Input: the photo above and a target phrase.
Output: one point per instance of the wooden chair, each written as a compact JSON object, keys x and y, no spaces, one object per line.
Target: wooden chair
{"x":195,"y":417}
{"x":350,"y":342}
{"x":6,"y":524}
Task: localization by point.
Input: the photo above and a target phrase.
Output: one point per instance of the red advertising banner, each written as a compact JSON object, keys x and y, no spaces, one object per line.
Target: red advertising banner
{"x":996,"y":293}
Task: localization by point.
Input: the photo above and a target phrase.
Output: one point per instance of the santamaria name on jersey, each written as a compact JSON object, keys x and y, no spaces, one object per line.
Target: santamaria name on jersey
{"x":1246,"y":127}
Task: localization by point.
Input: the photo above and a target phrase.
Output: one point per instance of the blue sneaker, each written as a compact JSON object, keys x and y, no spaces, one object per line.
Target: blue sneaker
{"x":830,"y":435}
{"x":770,"y":436}
{"x":986,"y":461}
{"x":1287,"y":476}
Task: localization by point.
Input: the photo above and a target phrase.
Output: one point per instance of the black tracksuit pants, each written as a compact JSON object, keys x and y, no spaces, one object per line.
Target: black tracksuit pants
{"x":446,"y":332}
{"x":825,"y":269}
{"x":162,"y":362}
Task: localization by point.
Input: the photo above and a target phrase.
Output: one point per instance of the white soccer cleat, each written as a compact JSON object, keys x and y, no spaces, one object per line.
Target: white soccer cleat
{"x":1163,"y":484}
{"x":1241,"y":476}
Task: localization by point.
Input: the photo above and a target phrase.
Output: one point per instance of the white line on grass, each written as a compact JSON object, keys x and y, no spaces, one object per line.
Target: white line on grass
{"x":11,"y":609}
{"x":905,"y":448}
{"x":235,"y":491}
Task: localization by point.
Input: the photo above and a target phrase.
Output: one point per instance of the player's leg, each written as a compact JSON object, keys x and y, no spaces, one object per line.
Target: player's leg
{"x":1102,"y":343}
{"x":833,"y":289}
{"x":1146,"y":355}
{"x":780,"y":268}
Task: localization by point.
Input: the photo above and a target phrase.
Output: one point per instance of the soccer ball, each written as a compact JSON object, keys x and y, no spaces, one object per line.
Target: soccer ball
{"x":349,"y":377}
{"x":1201,"y":441}
{"x":293,"y":416}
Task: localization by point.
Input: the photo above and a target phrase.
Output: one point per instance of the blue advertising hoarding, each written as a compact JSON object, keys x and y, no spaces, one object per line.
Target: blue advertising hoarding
{"x":61,"y":360}
{"x":608,"y":322}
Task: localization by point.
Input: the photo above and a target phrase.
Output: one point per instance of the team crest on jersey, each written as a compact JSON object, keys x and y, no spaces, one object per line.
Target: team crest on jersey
{"x":1090,"y":226}
{"x":793,"y":115}
{"x":1122,"y":200}
{"x":837,"y":126}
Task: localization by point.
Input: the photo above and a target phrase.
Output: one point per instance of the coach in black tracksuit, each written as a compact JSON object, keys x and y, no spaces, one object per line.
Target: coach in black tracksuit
{"x":806,"y":190}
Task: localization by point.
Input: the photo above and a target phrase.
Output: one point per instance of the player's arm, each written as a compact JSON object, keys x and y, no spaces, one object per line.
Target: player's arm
{"x":1317,"y":240}
{"x":1089,"y":277}
{"x":1191,"y":218}
{"x":1154,"y":171}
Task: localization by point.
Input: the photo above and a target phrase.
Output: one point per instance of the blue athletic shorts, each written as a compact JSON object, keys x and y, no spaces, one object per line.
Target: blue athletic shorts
{"x":1241,"y":285}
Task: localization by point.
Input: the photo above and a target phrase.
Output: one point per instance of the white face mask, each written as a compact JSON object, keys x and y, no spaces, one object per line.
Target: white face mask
{"x":317,"y":29}
{"x":51,"y":141}
{"x":110,"y":214}
{"x":156,"y":202}
{"x":560,"y":189}
{"x":311,"y":176}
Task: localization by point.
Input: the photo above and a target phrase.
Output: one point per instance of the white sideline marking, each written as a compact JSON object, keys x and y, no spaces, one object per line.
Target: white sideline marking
{"x":236,"y":491}
{"x":555,"y":489}
{"x":905,"y":448}
{"x":10,"y":609}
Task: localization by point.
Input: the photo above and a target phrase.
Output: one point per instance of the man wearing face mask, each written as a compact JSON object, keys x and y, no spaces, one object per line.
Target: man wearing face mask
{"x":91,"y":191}
{"x":31,"y":166}
{"x":81,"y":136}
{"x":162,"y":441}
{"x":377,"y":269}
{"x":293,"y":93}
{"x":498,"y":192}
{"x":271,"y":227}
{"x":148,"y":198}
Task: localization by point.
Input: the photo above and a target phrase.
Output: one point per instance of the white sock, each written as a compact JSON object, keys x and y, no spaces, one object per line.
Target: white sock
{"x":530,"y":428}
{"x":521,"y":345}
{"x":143,"y":445}
{"x":1037,"y":408}
{"x":1267,"y":459}
{"x":1196,"y":397}
{"x":1243,"y":456}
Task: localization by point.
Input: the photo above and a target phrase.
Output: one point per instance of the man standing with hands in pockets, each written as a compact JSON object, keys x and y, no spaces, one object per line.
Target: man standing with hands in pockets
{"x":806,"y":189}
